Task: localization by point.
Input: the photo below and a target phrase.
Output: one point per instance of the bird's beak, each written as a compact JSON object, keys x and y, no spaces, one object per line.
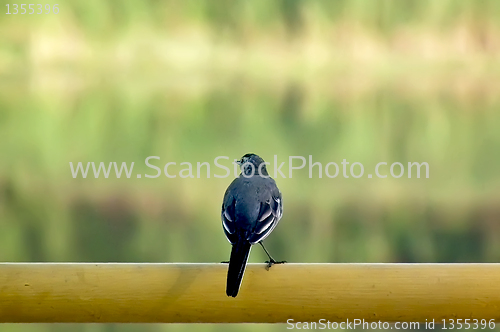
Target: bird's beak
{"x":237,"y":162}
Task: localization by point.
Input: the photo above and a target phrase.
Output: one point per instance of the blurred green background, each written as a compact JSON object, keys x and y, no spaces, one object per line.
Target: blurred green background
{"x":366,"y":81}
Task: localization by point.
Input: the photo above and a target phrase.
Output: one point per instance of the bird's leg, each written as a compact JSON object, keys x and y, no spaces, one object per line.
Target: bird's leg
{"x":271,"y":260}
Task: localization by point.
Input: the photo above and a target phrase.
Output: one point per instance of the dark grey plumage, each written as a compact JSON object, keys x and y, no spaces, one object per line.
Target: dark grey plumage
{"x":251,"y":209}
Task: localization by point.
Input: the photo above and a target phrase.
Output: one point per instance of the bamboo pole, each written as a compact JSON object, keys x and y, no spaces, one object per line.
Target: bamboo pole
{"x":187,"y":293}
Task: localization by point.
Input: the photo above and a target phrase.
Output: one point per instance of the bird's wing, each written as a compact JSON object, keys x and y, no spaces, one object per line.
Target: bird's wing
{"x":228,"y":217}
{"x":269,"y":216}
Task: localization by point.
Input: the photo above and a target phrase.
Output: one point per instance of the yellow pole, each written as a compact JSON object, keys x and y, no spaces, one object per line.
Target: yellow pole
{"x":186,"y":293}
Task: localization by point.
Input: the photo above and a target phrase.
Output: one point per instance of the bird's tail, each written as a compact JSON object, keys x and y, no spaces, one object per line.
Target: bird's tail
{"x":237,"y":264}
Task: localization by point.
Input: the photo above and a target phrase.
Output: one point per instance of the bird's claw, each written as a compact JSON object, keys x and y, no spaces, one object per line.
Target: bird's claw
{"x":224,"y":262}
{"x":272,"y":262}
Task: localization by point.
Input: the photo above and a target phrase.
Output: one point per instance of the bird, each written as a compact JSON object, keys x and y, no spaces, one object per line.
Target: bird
{"x":251,"y":209}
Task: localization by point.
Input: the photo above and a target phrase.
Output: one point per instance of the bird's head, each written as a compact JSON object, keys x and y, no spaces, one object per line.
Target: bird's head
{"x":252,"y":164}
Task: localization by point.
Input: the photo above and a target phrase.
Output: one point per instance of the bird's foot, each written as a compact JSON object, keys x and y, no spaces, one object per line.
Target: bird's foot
{"x":272,"y":262}
{"x":224,"y":262}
